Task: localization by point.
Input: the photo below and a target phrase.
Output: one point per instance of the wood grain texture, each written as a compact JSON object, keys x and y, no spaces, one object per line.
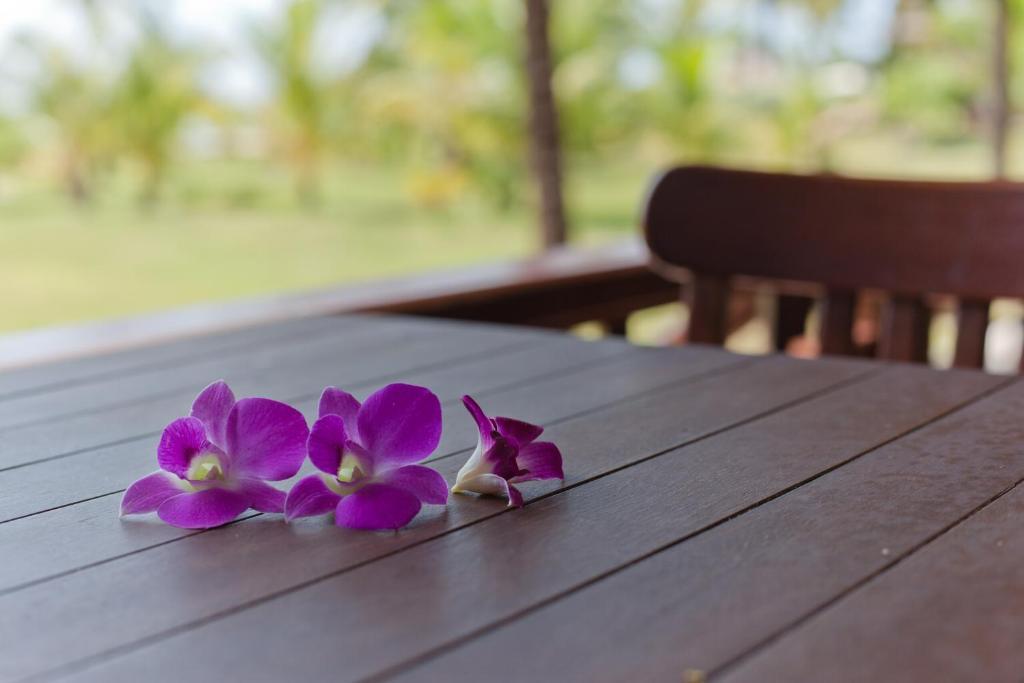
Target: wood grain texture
{"x":456,"y":584}
{"x":397,"y":352}
{"x":574,"y":378}
{"x":701,"y":604}
{"x":754,"y":518}
{"x":40,"y":378}
{"x":198,"y":577}
{"x":950,"y":612}
{"x":186,"y":374}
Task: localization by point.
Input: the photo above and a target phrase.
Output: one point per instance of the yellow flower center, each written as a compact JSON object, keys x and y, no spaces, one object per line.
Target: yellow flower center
{"x":350,"y":477}
{"x":205,"y":467}
{"x":349,"y":469}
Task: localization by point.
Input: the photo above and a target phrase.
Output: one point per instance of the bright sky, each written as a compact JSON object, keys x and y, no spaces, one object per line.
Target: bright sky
{"x":235,"y":74}
{"x":860,"y":31}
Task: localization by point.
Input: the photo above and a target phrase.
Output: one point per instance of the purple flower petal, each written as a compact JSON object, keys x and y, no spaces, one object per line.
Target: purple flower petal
{"x":181,"y":440}
{"x":541,"y":460}
{"x":212,"y":406}
{"x":309,"y":497}
{"x":377,"y":506}
{"x":266,"y":439}
{"x":262,"y":496}
{"x":203,"y":509}
{"x":326,"y":444}
{"x":483,"y":423}
{"x":501,"y":458}
{"x":400,"y":424}
{"x":520,"y":432}
{"x":146,"y":494}
{"x":426,"y":484}
{"x":334,"y":401}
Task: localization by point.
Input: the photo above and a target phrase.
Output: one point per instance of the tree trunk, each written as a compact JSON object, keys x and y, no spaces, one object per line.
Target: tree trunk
{"x":544,"y":138}
{"x":75,"y":180}
{"x":1001,"y":88}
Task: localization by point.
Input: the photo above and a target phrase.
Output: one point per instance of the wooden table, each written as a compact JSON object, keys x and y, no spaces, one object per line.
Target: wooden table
{"x":728,"y":517}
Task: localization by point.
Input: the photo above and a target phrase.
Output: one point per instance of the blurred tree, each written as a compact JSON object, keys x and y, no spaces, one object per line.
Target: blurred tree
{"x":151,"y":98}
{"x":933,"y":80}
{"x":447,"y":83}
{"x":300,"y":113}
{"x":76,"y":102}
{"x":685,"y":100}
{"x":570,"y":104}
{"x":12,"y":142}
{"x":545,"y":141}
{"x":1001,"y":105}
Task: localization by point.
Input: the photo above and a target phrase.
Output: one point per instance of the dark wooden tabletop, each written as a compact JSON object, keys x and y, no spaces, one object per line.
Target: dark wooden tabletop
{"x":722,"y":517}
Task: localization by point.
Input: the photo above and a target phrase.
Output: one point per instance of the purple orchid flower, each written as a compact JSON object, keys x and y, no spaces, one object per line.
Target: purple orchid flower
{"x":215,"y":463}
{"x":507,"y":453}
{"x":366,"y":453}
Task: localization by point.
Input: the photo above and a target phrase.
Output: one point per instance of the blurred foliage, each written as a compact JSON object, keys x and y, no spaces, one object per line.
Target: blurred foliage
{"x":440,"y":92}
{"x":410,"y":153}
{"x":300,"y":118}
{"x":77,"y":105}
{"x":930,"y":85}
{"x":149,"y":102}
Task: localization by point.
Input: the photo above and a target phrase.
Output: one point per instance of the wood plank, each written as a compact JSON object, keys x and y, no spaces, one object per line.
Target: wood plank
{"x":611,"y":438}
{"x":701,"y":604}
{"x":68,"y":538}
{"x":837,"y":315}
{"x":38,"y":378}
{"x":43,"y":485}
{"x":120,"y":389}
{"x":956,"y":605}
{"x":398,"y":351}
{"x":904,"y":331}
{"x":972,"y":324}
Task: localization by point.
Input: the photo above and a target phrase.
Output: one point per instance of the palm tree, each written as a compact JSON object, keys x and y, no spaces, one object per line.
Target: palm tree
{"x":151,"y":99}
{"x":303,"y":96}
{"x":77,"y":102}
{"x":545,"y":140}
{"x":457,"y":105}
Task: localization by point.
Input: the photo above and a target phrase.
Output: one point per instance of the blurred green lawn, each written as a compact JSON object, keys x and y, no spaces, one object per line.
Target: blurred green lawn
{"x":231,"y":230}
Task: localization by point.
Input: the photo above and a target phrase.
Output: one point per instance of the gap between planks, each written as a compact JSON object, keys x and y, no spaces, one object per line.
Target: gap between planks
{"x":519,"y":344}
{"x":182,"y":346}
{"x":320,"y":347}
{"x":733,"y":663}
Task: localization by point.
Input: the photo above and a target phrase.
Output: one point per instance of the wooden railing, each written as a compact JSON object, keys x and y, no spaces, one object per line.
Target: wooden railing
{"x":559,"y":288}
